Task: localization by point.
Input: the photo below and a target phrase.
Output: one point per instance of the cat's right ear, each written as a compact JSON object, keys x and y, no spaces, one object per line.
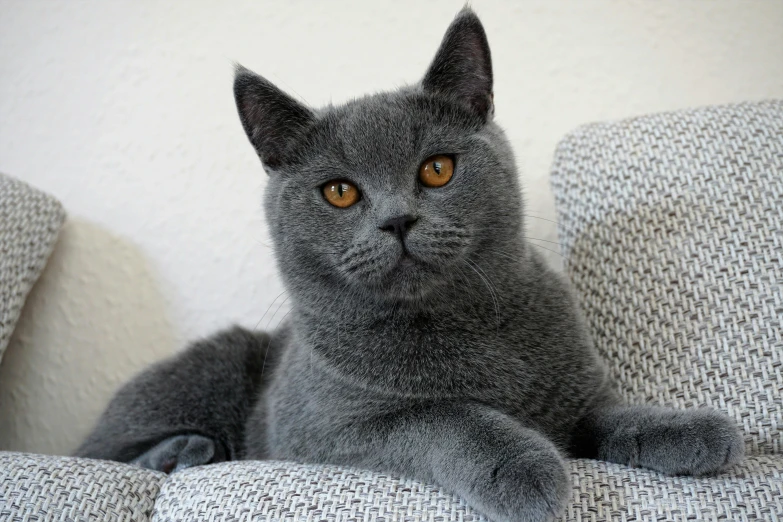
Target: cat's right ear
{"x":273,"y":121}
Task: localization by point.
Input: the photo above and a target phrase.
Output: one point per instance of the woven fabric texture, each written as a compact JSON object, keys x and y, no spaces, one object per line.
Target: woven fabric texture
{"x":29,"y":224}
{"x":273,"y":491}
{"x":672,"y":231}
{"x":604,"y":492}
{"x":282,"y":491}
{"x":52,"y":489}
{"x":62,"y":488}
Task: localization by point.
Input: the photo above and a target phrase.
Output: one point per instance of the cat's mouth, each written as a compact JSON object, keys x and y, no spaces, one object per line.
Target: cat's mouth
{"x":410,"y":274}
{"x":401,"y":270}
{"x":407,"y":261}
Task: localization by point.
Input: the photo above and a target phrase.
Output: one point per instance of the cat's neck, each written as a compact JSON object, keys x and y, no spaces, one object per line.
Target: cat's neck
{"x":391,"y":346}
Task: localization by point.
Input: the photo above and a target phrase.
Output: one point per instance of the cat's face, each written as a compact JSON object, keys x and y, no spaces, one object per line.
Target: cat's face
{"x":395,"y":193}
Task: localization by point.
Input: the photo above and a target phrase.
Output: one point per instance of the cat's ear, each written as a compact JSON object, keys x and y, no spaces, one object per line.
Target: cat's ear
{"x":462,"y":68}
{"x":273,"y":120}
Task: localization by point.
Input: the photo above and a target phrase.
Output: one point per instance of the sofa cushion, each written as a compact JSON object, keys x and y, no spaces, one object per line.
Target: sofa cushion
{"x":44,"y":488}
{"x":672,"y":231}
{"x":284,"y":491}
{"x":604,"y":492}
{"x":277,"y":491}
{"x":29,"y":223}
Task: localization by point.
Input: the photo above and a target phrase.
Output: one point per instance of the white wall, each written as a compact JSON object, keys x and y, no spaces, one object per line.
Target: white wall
{"x":124,"y":111}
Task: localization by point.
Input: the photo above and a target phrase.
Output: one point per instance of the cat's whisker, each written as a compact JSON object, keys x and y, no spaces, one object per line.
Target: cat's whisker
{"x":283,"y":318}
{"x":268,"y":344}
{"x":277,"y":310}
{"x":269,"y":308}
{"x":559,"y":224}
{"x":548,"y":249}
{"x":264,"y":244}
{"x":320,"y":322}
{"x":491,"y":292}
{"x":465,"y":279}
{"x":508,"y":256}
{"x":544,"y":240}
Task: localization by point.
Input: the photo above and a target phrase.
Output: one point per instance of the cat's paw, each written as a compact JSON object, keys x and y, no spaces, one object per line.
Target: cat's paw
{"x":696,"y":442}
{"x":534,"y":488}
{"x":178,"y":453}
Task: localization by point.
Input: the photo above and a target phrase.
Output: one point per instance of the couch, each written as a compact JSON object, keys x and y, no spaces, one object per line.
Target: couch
{"x":671,"y":229}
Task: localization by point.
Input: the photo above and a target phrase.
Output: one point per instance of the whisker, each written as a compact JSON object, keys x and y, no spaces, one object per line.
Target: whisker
{"x":570,"y":229}
{"x":507,"y":255}
{"x":549,"y":249}
{"x":491,"y":293}
{"x":283,"y":318}
{"x":544,"y":240}
{"x":268,"y":308}
{"x":269,"y":343}
{"x":318,"y":327}
{"x":266,"y":352}
{"x":277,"y":310}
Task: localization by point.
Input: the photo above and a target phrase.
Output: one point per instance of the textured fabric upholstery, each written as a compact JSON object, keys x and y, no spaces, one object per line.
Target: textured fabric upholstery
{"x":271,"y":491}
{"x":604,"y":492}
{"x":672,"y":230}
{"x":43,"y":488}
{"x":267,"y":491}
{"x":672,"y":234}
{"x":35,"y":487}
{"x":29,"y":224}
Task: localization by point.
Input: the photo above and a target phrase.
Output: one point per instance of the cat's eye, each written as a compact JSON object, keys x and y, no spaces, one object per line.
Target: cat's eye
{"x":340,"y":193}
{"x":436,"y":171}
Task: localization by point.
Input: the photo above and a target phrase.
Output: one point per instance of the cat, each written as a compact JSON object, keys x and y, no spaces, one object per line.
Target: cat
{"x":426,"y":338}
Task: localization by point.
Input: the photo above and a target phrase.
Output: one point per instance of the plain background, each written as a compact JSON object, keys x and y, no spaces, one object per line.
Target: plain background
{"x":123,"y":110}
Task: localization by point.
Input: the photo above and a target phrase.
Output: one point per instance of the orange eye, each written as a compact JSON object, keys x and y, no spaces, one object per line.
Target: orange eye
{"x":341,"y":193}
{"x":436,"y":171}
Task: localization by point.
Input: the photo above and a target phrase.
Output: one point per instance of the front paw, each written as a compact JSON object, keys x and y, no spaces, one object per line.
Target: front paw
{"x":534,"y":487}
{"x":695,"y":442}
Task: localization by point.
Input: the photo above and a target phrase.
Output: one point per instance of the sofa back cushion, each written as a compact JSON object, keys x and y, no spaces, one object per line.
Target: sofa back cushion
{"x":29,"y":224}
{"x":672,"y":231}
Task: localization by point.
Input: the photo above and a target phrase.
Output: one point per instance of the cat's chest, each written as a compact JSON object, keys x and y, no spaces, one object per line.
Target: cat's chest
{"x":425,"y":357}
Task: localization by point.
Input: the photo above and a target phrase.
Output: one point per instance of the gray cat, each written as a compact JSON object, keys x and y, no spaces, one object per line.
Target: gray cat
{"x":426,"y":338}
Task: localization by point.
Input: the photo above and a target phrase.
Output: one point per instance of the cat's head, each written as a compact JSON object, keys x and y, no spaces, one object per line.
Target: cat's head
{"x":394,"y":194}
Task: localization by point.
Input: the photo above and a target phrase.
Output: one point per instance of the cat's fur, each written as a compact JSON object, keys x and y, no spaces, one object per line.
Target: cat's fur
{"x":459,"y":359}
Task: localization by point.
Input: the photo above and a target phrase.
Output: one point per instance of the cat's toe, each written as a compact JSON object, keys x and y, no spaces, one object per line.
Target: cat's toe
{"x":721,"y":442}
{"x":177,"y":453}
{"x":699,"y":442}
{"x":534,"y":490}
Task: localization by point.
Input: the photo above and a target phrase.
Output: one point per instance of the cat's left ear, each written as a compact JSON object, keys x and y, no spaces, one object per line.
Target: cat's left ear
{"x":462,"y":68}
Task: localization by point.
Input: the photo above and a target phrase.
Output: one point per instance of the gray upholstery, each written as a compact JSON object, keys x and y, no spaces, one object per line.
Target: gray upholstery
{"x":29,"y":224}
{"x":61,"y":488}
{"x":43,"y":488}
{"x":672,"y":229}
{"x":672,"y":232}
{"x":284,"y":491}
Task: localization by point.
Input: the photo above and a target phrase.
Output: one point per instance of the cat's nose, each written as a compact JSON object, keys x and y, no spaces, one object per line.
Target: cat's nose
{"x":399,"y":225}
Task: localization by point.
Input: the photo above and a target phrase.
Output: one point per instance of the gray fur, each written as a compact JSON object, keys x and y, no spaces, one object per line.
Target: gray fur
{"x":452,"y":355}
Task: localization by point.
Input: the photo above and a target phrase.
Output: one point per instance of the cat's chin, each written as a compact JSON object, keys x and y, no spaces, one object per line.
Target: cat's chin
{"x":409,"y":280}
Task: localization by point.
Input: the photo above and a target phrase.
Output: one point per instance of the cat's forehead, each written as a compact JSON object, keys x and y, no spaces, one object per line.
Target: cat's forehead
{"x":391,"y":127}
{"x":379,"y":124}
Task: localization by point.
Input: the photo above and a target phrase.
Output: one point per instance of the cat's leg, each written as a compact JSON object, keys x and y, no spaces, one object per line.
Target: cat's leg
{"x":500,"y":467}
{"x":187,"y":410}
{"x":676,"y":442}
